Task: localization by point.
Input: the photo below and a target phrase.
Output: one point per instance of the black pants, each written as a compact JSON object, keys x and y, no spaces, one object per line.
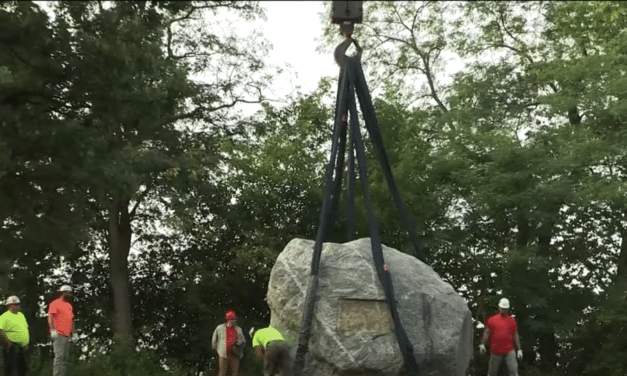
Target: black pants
{"x":15,"y":360}
{"x":278,"y":359}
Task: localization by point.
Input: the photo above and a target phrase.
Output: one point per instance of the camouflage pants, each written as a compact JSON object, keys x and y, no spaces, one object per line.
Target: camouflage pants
{"x":277,"y":360}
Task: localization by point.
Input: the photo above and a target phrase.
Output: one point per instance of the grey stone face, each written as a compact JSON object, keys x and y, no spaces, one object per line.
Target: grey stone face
{"x":352,"y":329}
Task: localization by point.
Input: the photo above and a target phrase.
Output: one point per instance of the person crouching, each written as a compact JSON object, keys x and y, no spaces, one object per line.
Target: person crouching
{"x":270,"y":346}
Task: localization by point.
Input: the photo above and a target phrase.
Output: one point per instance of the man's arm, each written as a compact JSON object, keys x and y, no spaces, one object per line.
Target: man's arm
{"x":4,"y":337}
{"x":214,"y":339}
{"x":50,"y":325}
{"x":259,"y":352}
{"x":241,"y":339}
{"x":517,"y":341}
{"x":486,"y":336}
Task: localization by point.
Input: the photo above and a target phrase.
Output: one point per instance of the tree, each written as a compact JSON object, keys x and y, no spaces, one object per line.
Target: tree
{"x":222,"y":255}
{"x":39,"y":212}
{"x":138,"y":101}
{"x":121,"y":94}
{"x":510,"y":146}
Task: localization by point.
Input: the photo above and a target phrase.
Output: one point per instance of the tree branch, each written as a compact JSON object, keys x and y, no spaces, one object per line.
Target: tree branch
{"x":138,"y":201}
{"x":432,"y":85}
{"x":229,"y":4}
{"x":401,"y":18}
{"x":18,"y":56}
{"x":183,"y":18}
{"x":169,"y":42}
{"x":413,"y":23}
{"x":199,"y":111}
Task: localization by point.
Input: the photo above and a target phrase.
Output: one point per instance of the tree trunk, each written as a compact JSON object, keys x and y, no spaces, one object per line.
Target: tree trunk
{"x":621,"y":272}
{"x":547,"y":342}
{"x":522,"y":313}
{"x":574,"y":118}
{"x":119,"y":247}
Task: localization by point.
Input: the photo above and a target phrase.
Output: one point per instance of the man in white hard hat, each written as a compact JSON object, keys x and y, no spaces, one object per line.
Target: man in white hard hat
{"x":502,"y":331}
{"x":14,"y":333}
{"x":61,"y":324}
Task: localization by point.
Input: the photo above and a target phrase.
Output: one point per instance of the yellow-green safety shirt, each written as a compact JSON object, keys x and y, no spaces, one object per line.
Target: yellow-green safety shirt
{"x":15,"y":327}
{"x":265,"y":335}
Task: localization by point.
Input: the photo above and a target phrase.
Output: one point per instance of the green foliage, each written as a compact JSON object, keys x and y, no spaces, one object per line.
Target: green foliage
{"x":522,"y":168}
{"x":122,"y":362}
{"x":513,"y":169}
{"x":99,"y":121}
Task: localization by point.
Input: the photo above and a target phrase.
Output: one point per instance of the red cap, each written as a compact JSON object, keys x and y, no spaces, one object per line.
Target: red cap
{"x":230,"y":315}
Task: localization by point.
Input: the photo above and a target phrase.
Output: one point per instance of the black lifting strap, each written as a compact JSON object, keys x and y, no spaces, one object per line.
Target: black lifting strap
{"x":350,"y":187}
{"x":332,"y":189}
{"x":407,"y":350}
{"x":352,"y":81}
{"x":372,"y":126}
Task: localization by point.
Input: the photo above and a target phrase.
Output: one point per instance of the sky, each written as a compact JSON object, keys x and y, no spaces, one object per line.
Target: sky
{"x":294,"y":28}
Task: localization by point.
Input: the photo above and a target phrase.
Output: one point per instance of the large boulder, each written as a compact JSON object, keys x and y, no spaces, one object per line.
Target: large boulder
{"x":352,"y":329}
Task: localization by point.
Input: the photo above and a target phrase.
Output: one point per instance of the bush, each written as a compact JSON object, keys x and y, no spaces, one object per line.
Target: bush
{"x":122,"y":362}
{"x":127,"y":362}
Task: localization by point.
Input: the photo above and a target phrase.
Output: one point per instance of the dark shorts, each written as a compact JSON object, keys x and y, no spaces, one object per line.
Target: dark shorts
{"x":15,"y":360}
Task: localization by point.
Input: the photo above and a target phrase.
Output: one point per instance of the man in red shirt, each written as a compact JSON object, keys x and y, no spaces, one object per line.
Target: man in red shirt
{"x":61,"y":324}
{"x":502,"y":331}
{"x":228,"y":340}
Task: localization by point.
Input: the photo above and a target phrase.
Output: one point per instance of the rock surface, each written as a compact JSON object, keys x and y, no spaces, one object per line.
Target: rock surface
{"x":352,"y":329}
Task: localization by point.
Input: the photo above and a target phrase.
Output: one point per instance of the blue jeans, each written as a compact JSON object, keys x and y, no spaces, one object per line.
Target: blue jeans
{"x":15,"y":360}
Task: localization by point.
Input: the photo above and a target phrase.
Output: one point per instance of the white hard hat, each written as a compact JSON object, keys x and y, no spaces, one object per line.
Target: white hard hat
{"x":504,"y":303}
{"x":65,"y":288}
{"x":13,"y":300}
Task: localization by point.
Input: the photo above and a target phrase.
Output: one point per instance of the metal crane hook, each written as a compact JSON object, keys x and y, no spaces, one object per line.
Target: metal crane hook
{"x":339,"y":54}
{"x":346,"y":14}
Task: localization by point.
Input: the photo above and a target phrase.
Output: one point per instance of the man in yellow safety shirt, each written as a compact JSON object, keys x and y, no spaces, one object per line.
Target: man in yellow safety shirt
{"x":14,"y":334}
{"x":270,"y":346}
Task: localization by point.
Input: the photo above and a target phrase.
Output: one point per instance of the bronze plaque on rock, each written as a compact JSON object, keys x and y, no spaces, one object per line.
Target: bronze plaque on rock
{"x":360,"y":315}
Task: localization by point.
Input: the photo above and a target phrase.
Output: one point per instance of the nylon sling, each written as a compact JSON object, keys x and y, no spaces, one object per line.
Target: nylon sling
{"x":351,"y":82}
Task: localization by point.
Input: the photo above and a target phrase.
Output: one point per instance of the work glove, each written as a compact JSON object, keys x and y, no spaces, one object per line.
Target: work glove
{"x":519,"y":354}
{"x":482,"y":349}
{"x":53,"y":334}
